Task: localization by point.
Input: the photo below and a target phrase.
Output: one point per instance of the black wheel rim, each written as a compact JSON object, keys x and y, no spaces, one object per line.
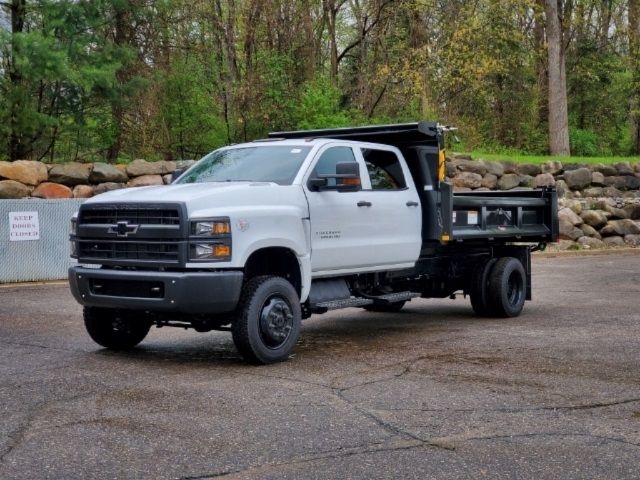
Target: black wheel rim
{"x":276,"y":322}
{"x":514,"y":288}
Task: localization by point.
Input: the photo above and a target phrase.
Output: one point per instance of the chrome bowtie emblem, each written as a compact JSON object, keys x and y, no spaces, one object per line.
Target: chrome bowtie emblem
{"x":123,"y":229}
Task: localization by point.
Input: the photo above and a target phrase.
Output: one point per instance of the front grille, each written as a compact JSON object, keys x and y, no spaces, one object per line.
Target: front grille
{"x":143,"y":251}
{"x":128,"y":233}
{"x":134,"y":215}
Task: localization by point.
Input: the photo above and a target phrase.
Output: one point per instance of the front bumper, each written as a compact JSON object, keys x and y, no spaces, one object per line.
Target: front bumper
{"x":179,"y":292}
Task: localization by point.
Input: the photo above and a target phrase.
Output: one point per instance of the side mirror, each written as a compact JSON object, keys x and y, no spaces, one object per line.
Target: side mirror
{"x":347,"y":179}
{"x":176,"y":173}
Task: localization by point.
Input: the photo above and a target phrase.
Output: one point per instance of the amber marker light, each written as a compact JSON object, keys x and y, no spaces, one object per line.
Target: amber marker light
{"x":221,"y":251}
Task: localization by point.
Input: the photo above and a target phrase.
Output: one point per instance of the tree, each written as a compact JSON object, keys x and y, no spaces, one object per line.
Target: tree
{"x":558,"y":109}
{"x":634,"y":57}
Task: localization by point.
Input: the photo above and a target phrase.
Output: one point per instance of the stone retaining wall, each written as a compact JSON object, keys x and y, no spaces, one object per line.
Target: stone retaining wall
{"x":599,"y":204}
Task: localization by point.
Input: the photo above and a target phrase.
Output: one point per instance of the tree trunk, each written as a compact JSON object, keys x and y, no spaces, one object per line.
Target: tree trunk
{"x":558,"y":111}
{"x":542,"y":78}
{"x":634,"y":53}
{"x":18,"y":148}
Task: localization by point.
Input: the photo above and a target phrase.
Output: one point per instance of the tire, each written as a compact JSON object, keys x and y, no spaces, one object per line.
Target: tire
{"x":479,"y":288}
{"x":268,"y":320}
{"x":388,"y":308}
{"x":115,"y":329}
{"x":507,"y":288}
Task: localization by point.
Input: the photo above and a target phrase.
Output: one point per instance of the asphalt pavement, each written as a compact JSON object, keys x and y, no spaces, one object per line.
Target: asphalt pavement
{"x":430,"y":392}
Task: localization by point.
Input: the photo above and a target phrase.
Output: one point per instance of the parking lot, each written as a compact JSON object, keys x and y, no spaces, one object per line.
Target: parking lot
{"x":431,"y":392}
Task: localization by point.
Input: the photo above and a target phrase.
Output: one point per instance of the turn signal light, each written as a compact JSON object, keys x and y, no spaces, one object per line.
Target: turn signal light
{"x":221,"y":251}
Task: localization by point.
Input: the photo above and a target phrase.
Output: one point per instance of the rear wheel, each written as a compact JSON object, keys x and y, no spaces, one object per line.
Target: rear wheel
{"x":268,"y":320}
{"x":507,"y":288}
{"x":479,"y":291}
{"x":115,"y":329}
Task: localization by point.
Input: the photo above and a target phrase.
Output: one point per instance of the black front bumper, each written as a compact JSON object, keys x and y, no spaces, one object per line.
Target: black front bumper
{"x":180,"y":292}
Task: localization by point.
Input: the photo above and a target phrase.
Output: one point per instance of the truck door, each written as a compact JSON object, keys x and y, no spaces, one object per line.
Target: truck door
{"x":339,"y":227}
{"x":394,"y":206}
{"x":361,"y":230}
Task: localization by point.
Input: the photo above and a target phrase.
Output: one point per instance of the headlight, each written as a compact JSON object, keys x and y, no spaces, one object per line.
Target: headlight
{"x":210,"y":251}
{"x":211,"y":227}
{"x":210,"y":239}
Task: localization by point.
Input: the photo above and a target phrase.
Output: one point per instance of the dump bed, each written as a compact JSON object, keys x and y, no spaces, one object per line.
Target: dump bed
{"x":499,"y":217}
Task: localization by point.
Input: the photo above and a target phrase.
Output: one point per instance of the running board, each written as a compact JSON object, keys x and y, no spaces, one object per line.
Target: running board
{"x":385,"y":299}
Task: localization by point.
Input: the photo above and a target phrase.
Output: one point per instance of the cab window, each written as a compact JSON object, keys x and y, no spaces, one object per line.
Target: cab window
{"x":385,"y":170}
{"x":329,"y":159}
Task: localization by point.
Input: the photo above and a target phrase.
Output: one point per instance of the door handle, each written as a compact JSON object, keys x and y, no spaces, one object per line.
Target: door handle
{"x":412,"y":204}
{"x":362,"y":203}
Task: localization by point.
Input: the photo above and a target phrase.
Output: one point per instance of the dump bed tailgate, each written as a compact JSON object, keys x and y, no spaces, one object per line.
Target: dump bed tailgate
{"x":527,"y":216}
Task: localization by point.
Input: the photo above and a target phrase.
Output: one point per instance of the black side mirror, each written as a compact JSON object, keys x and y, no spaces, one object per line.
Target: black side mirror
{"x":347,"y":178}
{"x":176,"y":173}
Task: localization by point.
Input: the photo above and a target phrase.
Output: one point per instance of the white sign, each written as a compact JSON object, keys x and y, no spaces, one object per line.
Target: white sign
{"x":23,"y":226}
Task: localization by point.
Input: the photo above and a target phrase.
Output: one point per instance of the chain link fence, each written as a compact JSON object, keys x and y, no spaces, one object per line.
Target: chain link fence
{"x":35,"y":247}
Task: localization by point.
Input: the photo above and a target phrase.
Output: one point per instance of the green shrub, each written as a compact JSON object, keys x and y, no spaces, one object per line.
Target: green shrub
{"x":584,"y":143}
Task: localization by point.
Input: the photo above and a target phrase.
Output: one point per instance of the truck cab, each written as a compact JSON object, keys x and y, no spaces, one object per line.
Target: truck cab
{"x":255,"y":237}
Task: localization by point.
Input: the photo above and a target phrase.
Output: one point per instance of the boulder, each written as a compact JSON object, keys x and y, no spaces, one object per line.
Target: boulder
{"x":561,"y":188}
{"x":490,"y":181}
{"x":614,"y":241}
{"x":612,"y":192}
{"x":597,"y":179}
{"x":184,"y":164}
{"x":459,"y":156}
{"x":591,"y":243}
{"x":24,"y":171}
{"x":83,"y":191}
{"x":494,"y":168}
{"x":474,"y":166}
{"x":568,"y":231}
{"x":526,"y":181}
{"x":168,"y":178}
{"x":554,"y":167}
{"x":451,"y":169}
{"x":616,"y":182}
{"x":107,"y":187}
{"x":616,"y":212}
{"x":578,"y":178}
{"x":632,"y":240}
{"x":589,"y":231}
{"x":633,"y":210}
{"x":593,"y":192}
{"x":468,"y":180}
{"x":574,"y":166}
{"x":145,"y":181}
{"x":637,"y":167}
{"x":544,"y":180}
{"x":509,"y":166}
{"x":631,"y":182}
{"x":602,"y":203}
{"x":529,"y":169}
{"x":606,"y":170}
{"x":620,"y":227}
{"x":50,"y":190}
{"x":12,"y":189}
{"x":103,"y":172}
{"x":138,"y":168}
{"x":570,"y":216}
{"x":462,"y":189}
{"x":575,"y":205}
{"x":70,"y":174}
{"x":596,"y":218}
{"x":509,"y":181}
{"x":624,"y":168}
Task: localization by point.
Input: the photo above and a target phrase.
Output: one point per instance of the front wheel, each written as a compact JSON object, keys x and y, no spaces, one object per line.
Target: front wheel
{"x":115,"y":329}
{"x":268,"y":320}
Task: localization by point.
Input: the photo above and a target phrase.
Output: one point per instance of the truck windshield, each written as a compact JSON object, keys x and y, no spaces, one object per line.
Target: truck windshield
{"x":262,"y":163}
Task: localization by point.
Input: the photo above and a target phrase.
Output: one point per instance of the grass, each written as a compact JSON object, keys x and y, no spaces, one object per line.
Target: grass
{"x":545,"y":158}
